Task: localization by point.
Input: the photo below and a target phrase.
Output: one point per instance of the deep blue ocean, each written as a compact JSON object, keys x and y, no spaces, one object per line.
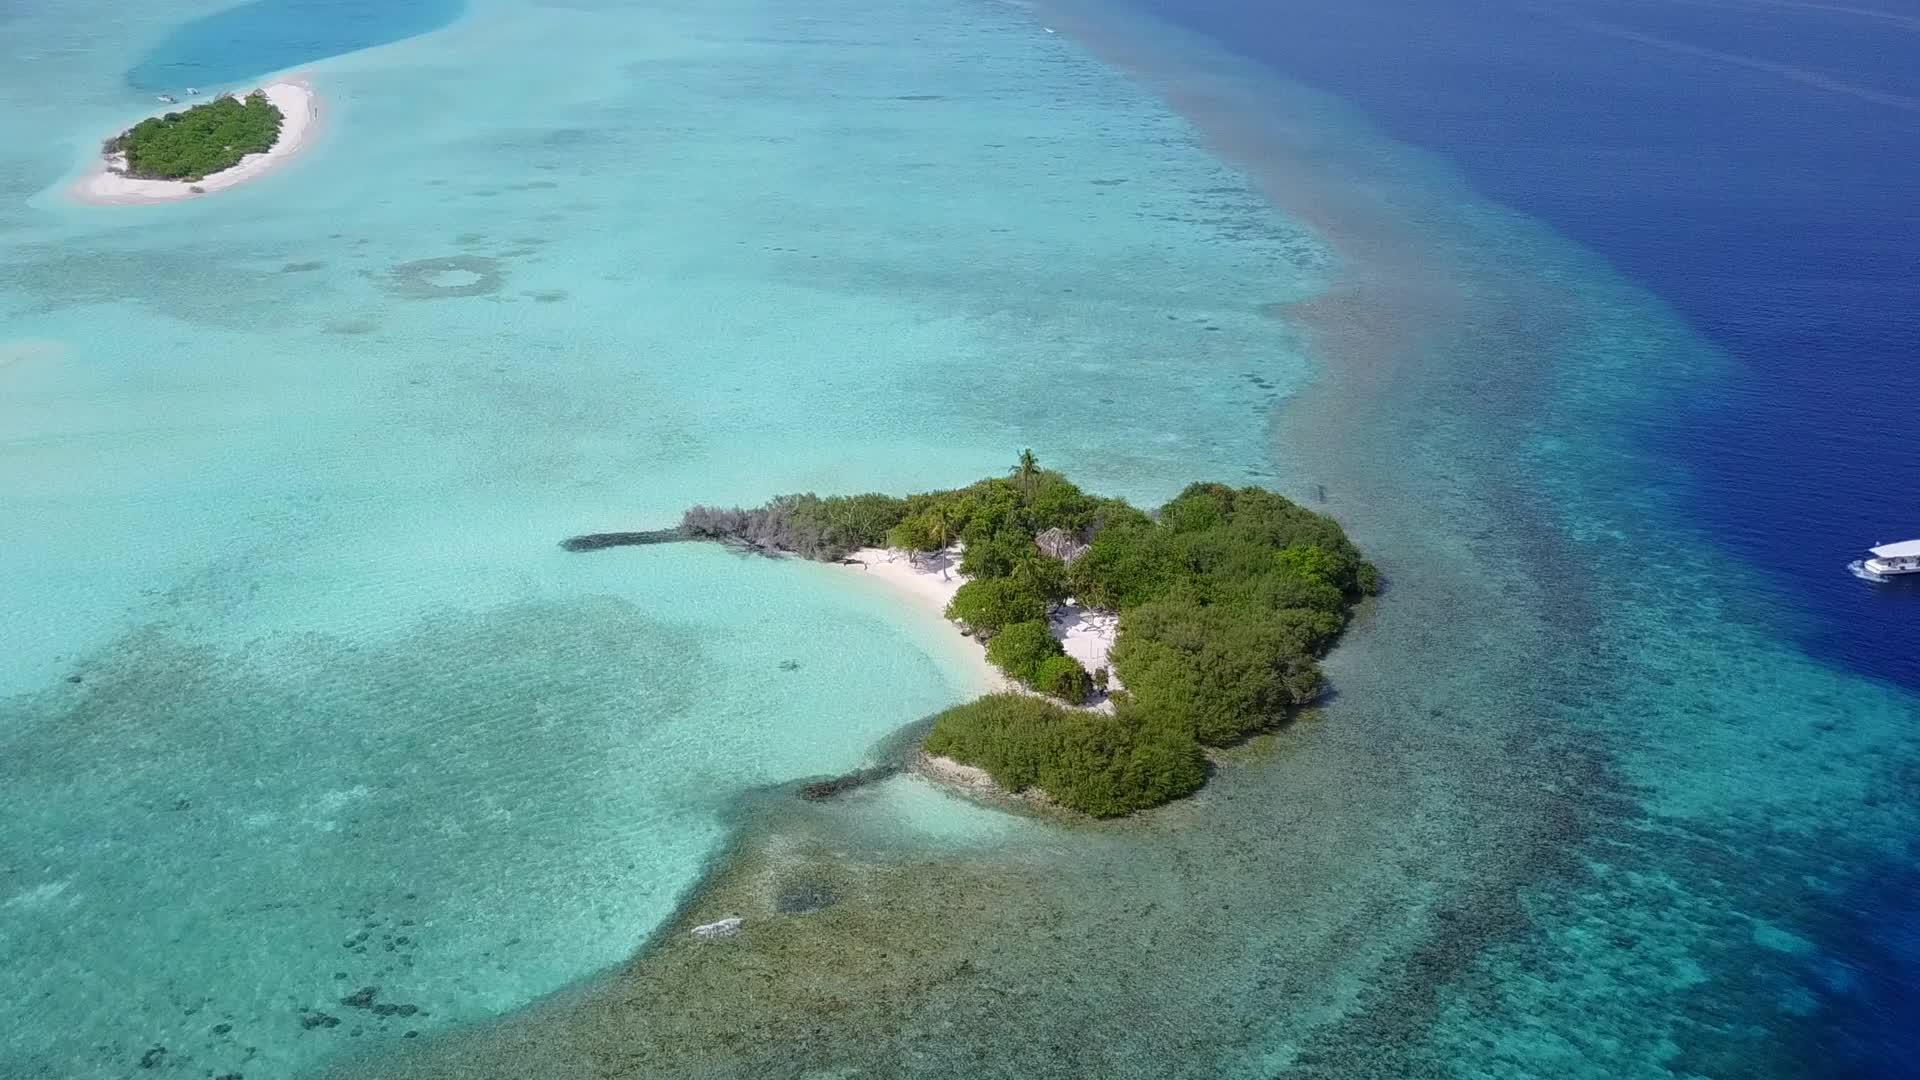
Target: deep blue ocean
{"x":1754,"y":165}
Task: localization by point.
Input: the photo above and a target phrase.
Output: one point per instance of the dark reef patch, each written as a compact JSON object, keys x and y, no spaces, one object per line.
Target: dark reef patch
{"x":822,"y":790}
{"x":803,"y":898}
{"x":170,"y":702}
{"x":596,"y":541}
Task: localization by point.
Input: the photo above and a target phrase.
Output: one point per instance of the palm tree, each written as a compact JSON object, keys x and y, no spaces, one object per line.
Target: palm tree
{"x":1028,"y":468}
{"x":928,"y":532}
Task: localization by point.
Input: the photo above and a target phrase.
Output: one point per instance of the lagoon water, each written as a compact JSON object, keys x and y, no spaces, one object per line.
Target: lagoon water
{"x":301,"y":696}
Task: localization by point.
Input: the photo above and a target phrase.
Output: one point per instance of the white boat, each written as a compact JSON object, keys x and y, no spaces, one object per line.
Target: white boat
{"x":1889,"y":560}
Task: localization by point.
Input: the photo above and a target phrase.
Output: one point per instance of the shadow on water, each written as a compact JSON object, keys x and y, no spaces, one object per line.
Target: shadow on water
{"x":266,"y":36}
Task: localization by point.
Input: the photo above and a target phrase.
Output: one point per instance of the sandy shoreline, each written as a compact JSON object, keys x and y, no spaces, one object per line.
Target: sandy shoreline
{"x":932,"y":580}
{"x":929,"y":584}
{"x":976,"y":783}
{"x":300,"y":114}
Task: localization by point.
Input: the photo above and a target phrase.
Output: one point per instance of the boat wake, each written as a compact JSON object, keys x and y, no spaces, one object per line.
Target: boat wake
{"x":1858,"y":568}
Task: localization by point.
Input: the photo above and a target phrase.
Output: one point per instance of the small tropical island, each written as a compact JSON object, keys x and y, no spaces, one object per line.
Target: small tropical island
{"x":210,"y":146}
{"x":1192,"y":627}
{"x":205,"y":139}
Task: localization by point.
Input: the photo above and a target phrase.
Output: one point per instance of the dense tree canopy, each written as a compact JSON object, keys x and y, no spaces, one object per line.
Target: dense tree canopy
{"x":806,"y":525}
{"x":1104,"y":764}
{"x":1021,"y":648}
{"x":1031,"y":656}
{"x":1226,"y":596}
{"x":1220,"y":672}
{"x":194,"y":143}
{"x":988,"y":605}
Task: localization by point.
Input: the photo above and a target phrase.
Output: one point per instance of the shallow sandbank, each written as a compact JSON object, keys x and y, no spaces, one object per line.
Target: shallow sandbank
{"x":106,"y":185}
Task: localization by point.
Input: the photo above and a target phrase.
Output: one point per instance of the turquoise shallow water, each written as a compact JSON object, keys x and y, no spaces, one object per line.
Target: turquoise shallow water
{"x":301,"y":694}
{"x":283,"y":473}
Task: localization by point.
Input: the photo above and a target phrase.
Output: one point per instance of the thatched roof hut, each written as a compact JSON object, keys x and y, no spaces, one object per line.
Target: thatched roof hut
{"x":1060,"y":544}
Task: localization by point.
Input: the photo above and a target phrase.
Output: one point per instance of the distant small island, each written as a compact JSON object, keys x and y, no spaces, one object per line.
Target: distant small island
{"x":213,"y":145}
{"x":1191,"y":627}
{"x":192,"y":143}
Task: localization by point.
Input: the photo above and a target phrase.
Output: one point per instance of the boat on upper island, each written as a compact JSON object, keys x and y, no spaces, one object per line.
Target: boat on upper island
{"x":1888,"y":560}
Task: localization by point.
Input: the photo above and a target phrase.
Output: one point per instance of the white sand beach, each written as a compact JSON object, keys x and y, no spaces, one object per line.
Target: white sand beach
{"x":1087,"y":636}
{"x":105,"y":185}
{"x":931,"y":581}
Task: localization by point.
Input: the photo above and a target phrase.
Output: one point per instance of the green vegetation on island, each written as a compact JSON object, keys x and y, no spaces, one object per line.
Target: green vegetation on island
{"x":1226,"y":597}
{"x":195,"y":143}
{"x":1099,"y":763}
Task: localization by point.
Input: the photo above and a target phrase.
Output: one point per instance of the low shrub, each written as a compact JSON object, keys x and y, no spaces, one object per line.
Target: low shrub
{"x":1031,"y":656}
{"x":1019,"y":649}
{"x":1108,"y":764}
{"x":1063,"y":677}
{"x":1104,"y":764}
{"x":988,"y":605}
{"x":1219,"y":672}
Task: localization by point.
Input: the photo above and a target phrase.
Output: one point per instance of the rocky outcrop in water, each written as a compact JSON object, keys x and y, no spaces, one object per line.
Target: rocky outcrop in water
{"x":723,"y":928}
{"x":596,"y":541}
{"x":840,"y":785}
